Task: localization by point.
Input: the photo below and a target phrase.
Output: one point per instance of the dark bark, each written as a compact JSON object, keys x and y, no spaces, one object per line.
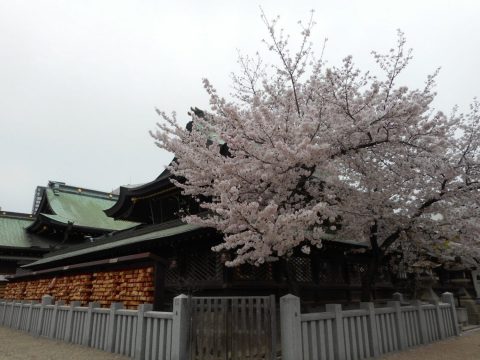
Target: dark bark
{"x":377,"y":252}
{"x":370,"y":276}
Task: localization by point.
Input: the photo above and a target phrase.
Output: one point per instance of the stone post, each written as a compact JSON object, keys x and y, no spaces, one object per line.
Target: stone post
{"x":141,"y":331}
{"x":87,"y":331}
{"x":290,"y":327}
{"x":53,"y":328}
{"x":371,"y":328}
{"x":69,"y":326}
{"x":398,"y":297}
{"x":180,"y":327}
{"x":112,"y":326}
{"x":422,"y":321}
{"x":399,"y":324}
{"x":338,"y":332}
{"x":448,"y":298}
{"x":46,"y":300}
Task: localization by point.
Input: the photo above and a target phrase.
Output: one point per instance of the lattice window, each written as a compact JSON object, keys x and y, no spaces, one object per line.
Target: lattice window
{"x":302,"y":268}
{"x":203,"y":267}
{"x":172,"y":276}
{"x":253,"y":273}
{"x":193,"y":270}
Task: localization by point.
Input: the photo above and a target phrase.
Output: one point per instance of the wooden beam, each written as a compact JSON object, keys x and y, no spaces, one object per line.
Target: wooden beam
{"x":160,"y":268}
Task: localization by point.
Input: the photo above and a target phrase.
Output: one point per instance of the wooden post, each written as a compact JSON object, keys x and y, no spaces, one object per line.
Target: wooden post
{"x":372,"y":328}
{"x":277,"y":272}
{"x":141,"y":331}
{"x":315,"y":266}
{"x":346,"y":278}
{"x":87,"y":331}
{"x":399,"y":324}
{"x":338,"y":334}
{"x":112,"y":326}
{"x":159,"y":285}
{"x":447,"y":297}
{"x":180,"y":327}
{"x":227,"y":274}
{"x":53,"y":328}
{"x":289,"y":271}
{"x":290,"y":327}
{"x":422,"y":321}
{"x":46,"y":300}
{"x":69,"y":326}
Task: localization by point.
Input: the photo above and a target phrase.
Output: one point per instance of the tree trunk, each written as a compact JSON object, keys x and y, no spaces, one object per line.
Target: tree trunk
{"x":370,"y":276}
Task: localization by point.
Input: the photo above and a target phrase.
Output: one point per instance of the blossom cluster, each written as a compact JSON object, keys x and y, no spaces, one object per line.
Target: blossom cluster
{"x":310,"y":149}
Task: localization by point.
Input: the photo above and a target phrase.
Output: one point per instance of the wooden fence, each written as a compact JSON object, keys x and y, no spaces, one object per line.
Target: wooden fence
{"x":363,"y":333}
{"x":233,"y":328}
{"x":141,"y":334}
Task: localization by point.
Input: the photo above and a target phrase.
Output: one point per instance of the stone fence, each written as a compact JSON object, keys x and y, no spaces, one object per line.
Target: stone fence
{"x":364,"y":333}
{"x":141,"y":334}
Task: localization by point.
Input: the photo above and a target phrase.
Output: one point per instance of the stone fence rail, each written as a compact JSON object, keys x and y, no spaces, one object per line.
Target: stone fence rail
{"x":141,"y":334}
{"x":144,"y":334}
{"x":364,"y":333}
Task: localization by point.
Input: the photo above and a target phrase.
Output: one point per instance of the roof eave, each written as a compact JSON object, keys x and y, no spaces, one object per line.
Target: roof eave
{"x":117,"y":209}
{"x":45,"y":220}
{"x":120,"y":208}
{"x":112,"y":244}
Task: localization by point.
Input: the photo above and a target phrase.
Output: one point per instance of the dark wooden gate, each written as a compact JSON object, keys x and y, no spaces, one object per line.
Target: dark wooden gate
{"x":231,"y":328}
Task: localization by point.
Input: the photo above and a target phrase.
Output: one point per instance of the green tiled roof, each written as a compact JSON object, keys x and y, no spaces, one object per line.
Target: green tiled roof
{"x":62,"y":204}
{"x":83,"y":210}
{"x":13,"y":234}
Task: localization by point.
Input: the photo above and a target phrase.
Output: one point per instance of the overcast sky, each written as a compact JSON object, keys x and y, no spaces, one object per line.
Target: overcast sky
{"x":79,"y":80}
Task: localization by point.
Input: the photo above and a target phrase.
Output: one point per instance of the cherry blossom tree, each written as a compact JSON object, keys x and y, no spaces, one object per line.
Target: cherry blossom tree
{"x":303,"y":149}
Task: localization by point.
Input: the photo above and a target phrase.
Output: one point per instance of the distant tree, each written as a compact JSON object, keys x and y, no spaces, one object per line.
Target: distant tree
{"x":313,"y":149}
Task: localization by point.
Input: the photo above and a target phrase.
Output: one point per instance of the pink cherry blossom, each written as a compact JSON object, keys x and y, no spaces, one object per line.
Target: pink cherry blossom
{"x":314,"y":149}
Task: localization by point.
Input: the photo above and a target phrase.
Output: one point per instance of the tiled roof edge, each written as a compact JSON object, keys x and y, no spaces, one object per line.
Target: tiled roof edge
{"x":78,"y":190}
{"x":16,"y":215}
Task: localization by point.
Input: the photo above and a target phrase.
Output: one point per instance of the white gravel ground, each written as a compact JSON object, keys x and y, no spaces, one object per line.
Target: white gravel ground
{"x":16,"y":345}
{"x":464,"y":347}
